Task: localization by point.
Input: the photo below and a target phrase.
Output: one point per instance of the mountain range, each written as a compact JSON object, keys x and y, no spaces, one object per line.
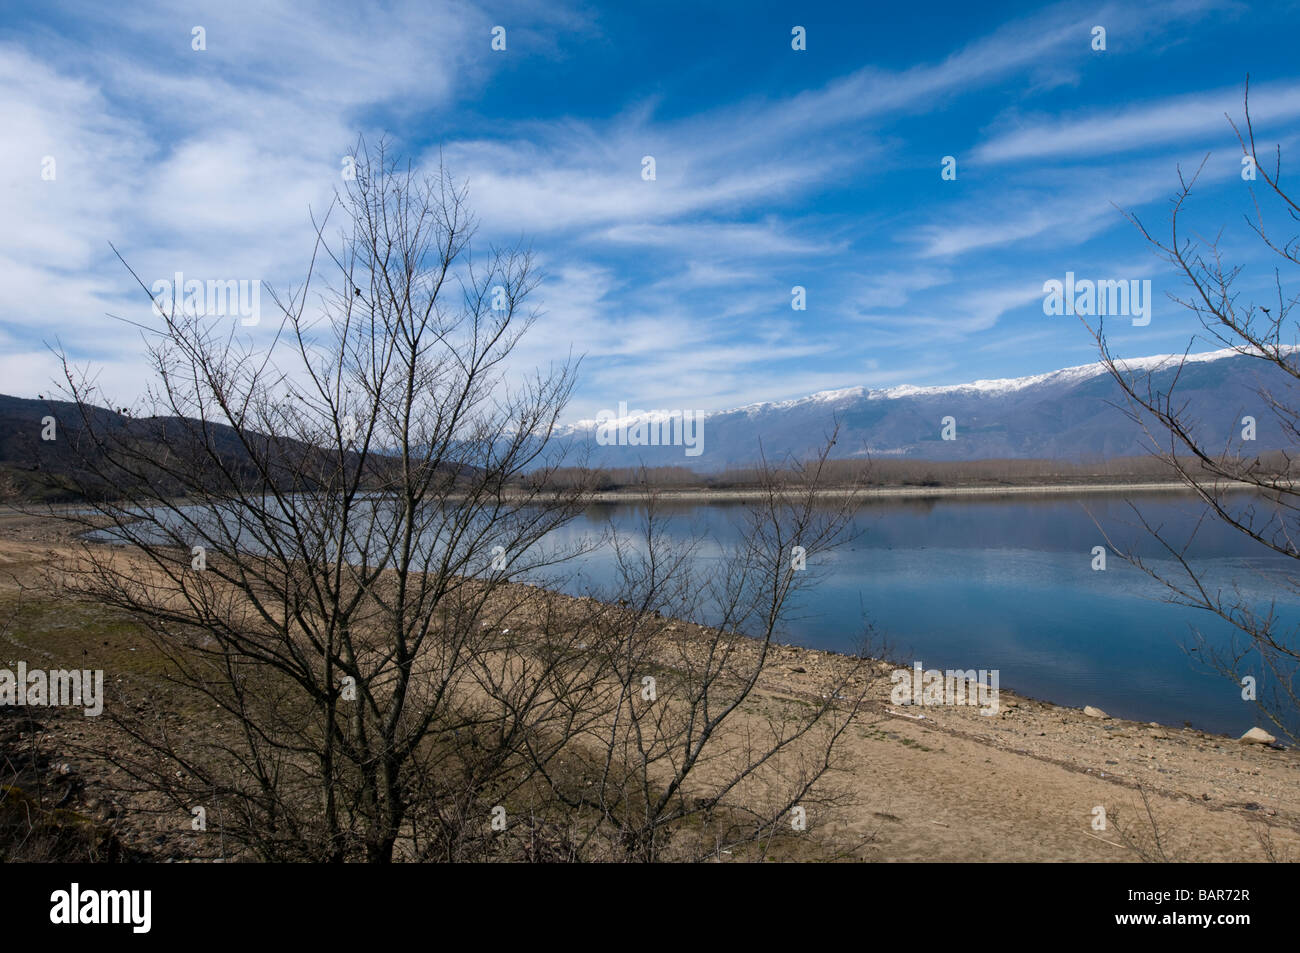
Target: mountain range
{"x":1076,"y":413}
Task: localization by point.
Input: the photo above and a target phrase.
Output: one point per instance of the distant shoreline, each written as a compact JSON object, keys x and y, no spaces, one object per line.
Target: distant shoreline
{"x":699,"y":495}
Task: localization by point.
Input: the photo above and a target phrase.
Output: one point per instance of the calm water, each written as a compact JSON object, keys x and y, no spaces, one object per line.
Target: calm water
{"x":1008,"y":584}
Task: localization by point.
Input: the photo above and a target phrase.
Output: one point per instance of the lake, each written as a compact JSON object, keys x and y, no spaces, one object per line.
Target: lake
{"x":1008,"y":584}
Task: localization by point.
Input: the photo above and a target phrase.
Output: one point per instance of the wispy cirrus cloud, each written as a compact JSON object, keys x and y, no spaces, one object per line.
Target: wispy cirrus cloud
{"x":1196,"y":117}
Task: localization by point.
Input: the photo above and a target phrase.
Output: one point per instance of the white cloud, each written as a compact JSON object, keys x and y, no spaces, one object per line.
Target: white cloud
{"x":1195,"y":117}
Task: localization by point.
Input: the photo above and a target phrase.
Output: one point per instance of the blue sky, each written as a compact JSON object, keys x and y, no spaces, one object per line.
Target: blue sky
{"x":775,"y":168}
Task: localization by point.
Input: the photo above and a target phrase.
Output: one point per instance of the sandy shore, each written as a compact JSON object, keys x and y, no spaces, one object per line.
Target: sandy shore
{"x":944,"y":783}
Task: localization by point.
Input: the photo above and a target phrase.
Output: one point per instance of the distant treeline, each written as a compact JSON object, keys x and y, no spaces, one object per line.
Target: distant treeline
{"x":902,"y":472}
{"x":48,"y":455}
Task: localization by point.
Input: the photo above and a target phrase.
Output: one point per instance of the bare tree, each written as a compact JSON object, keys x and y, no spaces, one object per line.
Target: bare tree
{"x":330,"y":541}
{"x":1216,"y":468}
{"x":681,"y":736}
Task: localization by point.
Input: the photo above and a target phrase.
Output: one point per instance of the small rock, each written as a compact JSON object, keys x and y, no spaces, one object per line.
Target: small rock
{"x":1257,"y":736}
{"x":799,"y":670}
{"x":1094,"y":712}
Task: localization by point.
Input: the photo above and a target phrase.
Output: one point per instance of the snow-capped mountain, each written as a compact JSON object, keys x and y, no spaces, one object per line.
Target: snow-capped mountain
{"x":1071,"y":414}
